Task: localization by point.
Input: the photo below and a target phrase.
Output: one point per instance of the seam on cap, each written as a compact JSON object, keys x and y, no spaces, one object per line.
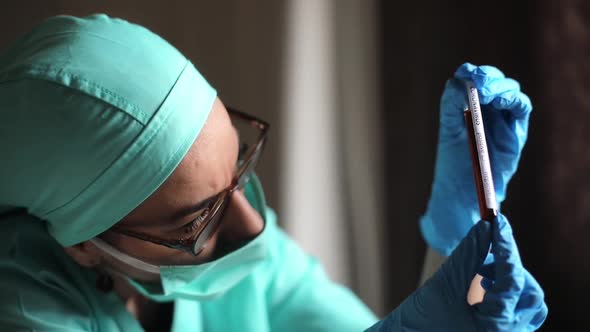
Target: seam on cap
{"x":61,"y":77}
{"x":153,"y":133}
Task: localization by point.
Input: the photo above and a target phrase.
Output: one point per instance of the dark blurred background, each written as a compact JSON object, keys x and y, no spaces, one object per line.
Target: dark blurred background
{"x":352,"y":87}
{"x":542,"y":44}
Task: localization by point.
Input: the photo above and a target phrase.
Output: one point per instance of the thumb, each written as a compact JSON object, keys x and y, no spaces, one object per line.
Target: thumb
{"x":452,"y":104}
{"x":466,"y":260}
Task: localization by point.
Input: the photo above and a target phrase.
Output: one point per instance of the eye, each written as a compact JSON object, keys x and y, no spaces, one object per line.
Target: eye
{"x":198,"y":222}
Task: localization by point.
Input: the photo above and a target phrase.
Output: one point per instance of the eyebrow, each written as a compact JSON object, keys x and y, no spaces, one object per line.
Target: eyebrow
{"x":182,"y":213}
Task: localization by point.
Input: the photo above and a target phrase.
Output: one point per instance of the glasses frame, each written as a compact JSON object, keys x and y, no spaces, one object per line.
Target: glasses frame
{"x":193,"y":243}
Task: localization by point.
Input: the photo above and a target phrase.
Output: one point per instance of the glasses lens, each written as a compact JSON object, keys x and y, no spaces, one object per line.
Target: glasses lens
{"x":246,"y":173}
{"x":211,"y":227}
{"x":249,"y":132}
{"x":244,"y":148}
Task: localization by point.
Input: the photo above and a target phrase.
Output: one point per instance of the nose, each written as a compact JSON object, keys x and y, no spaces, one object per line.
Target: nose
{"x":241,"y":221}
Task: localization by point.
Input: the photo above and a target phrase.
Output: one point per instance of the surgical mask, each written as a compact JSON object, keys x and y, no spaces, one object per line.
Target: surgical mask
{"x":203,"y":281}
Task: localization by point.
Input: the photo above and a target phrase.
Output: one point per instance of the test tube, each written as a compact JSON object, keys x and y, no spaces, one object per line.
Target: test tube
{"x":482,"y":171}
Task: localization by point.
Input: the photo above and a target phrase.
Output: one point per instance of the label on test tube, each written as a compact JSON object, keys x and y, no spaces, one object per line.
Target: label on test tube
{"x":481,"y":146}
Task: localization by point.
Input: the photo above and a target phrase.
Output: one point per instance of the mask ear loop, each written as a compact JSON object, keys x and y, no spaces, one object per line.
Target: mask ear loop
{"x":123,"y":257}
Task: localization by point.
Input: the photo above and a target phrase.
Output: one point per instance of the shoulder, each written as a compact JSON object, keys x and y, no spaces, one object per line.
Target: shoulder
{"x":287,"y":264}
{"x":41,"y":287}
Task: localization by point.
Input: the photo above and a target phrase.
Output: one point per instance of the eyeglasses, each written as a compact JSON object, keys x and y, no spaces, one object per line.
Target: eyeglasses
{"x":199,"y":230}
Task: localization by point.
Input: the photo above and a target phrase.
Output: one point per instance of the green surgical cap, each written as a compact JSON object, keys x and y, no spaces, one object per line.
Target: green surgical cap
{"x":95,"y":114}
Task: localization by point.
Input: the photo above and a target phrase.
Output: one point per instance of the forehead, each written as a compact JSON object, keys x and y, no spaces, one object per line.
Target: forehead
{"x":206,"y":169}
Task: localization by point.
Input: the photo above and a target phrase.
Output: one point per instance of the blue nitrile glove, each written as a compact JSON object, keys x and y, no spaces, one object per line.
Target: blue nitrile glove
{"x":453,"y":208}
{"x":514,"y":301}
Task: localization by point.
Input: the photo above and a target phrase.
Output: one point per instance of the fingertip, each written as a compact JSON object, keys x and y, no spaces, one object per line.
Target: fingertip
{"x":483,"y":227}
{"x":525,"y":100}
{"x":488,"y":271}
{"x":504,"y":245}
{"x":454,"y":82}
{"x":501,"y":227}
{"x":483,"y":75}
{"x":492,"y":87}
{"x":471,"y":252}
{"x":500,"y":222}
{"x":516,"y":103}
{"x":454,"y":94}
{"x":465,"y":70}
{"x":540,"y":317}
{"x":484,"y":236}
{"x":489,"y":71}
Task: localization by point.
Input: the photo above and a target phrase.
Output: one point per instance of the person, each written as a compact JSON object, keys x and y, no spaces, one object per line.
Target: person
{"x":129,"y":202}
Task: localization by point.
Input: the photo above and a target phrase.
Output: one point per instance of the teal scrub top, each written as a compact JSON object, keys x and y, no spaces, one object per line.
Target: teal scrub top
{"x":43,"y":289}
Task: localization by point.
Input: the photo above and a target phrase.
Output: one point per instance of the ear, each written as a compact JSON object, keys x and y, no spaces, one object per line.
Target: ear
{"x":85,"y":254}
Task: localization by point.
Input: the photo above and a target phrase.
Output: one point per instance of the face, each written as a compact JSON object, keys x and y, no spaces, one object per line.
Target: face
{"x":206,"y":170}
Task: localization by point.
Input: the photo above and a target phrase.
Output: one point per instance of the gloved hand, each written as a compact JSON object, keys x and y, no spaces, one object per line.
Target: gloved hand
{"x":453,"y":208}
{"x":514,"y":301}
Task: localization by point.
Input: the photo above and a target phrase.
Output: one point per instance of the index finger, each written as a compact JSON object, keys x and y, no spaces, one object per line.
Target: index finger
{"x":479,"y":74}
{"x":516,"y":103}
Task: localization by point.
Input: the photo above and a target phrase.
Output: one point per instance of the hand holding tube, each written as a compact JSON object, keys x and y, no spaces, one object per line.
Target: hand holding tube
{"x":514,"y":301}
{"x":453,"y":205}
